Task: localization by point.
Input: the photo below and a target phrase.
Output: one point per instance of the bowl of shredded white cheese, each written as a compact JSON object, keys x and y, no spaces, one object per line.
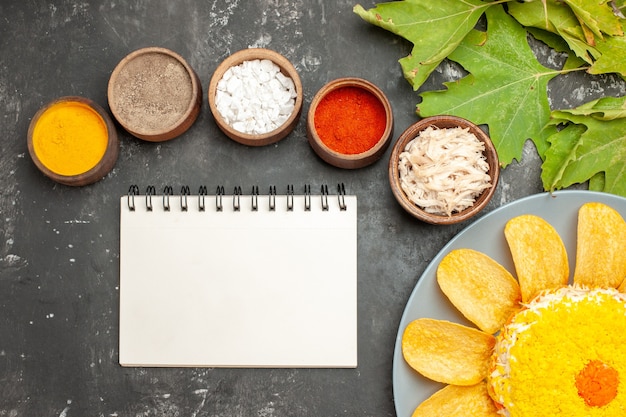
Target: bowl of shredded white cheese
{"x":255,"y":96}
{"x":443,"y":169}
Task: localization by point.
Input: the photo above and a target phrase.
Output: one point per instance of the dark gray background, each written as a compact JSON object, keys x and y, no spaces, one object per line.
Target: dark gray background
{"x":59,"y":246}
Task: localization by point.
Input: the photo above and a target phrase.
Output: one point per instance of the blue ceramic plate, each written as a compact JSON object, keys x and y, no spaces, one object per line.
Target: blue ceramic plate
{"x":486,"y":235}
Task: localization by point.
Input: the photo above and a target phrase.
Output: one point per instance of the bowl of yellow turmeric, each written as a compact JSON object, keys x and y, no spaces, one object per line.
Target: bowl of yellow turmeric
{"x":73,"y":141}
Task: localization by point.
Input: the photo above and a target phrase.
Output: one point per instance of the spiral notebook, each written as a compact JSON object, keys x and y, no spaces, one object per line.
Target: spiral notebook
{"x":238,"y":279}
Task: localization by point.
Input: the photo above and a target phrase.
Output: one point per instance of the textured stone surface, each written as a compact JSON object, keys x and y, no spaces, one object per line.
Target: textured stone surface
{"x":59,"y":246}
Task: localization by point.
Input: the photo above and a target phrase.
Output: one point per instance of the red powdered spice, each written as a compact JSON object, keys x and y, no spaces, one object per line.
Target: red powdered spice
{"x":350,"y":120}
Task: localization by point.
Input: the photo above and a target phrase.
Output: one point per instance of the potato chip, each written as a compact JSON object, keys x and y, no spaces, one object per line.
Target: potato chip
{"x":455,"y":401}
{"x":601,"y":247}
{"x":479,"y":287}
{"x":538,"y":253}
{"x":447,"y":352}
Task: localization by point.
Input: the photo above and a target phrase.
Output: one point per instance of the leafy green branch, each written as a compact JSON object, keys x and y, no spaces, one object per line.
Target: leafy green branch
{"x":506,"y":87}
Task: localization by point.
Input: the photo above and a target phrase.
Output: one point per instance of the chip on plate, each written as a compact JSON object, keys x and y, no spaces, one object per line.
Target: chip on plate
{"x":479,"y":287}
{"x":538,"y":253}
{"x":447,"y":352}
{"x":455,"y":401}
{"x":601,"y":246}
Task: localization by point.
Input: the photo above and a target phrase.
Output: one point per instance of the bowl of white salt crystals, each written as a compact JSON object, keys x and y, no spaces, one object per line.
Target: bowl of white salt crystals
{"x":255,"y":96}
{"x":443,"y":169}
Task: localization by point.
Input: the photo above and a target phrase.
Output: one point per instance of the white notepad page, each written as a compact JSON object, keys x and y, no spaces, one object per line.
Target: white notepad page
{"x":238,"y":288}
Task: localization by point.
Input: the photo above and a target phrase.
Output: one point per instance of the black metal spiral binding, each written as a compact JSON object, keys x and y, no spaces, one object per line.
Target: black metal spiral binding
{"x":290,"y":197}
{"x":202,"y":192}
{"x":324,"y":197}
{"x":255,"y":198}
{"x":185,"y":193}
{"x":150,"y":191}
{"x":341,"y":196}
{"x":218,"y":198}
{"x":133,"y":190}
{"x":167,"y":192}
{"x":272,"y":197}
{"x":307,"y":197}
{"x":236,"y":201}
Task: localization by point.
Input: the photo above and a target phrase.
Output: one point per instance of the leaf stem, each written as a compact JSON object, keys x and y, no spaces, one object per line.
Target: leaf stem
{"x":566,"y":71}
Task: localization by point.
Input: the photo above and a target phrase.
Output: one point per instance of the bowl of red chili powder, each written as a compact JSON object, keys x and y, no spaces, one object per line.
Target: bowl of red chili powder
{"x":350,"y":123}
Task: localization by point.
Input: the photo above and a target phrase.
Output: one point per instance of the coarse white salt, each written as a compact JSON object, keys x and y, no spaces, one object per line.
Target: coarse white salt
{"x":254,"y":97}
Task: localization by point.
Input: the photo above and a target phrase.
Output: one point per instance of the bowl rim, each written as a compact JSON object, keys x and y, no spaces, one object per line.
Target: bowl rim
{"x":183,"y":123}
{"x":98,"y":171}
{"x":443,"y":121}
{"x":339,"y":159}
{"x":286,"y":67}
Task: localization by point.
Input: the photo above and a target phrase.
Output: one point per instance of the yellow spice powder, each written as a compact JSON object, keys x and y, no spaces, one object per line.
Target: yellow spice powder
{"x":70,"y":138}
{"x":552,"y":348}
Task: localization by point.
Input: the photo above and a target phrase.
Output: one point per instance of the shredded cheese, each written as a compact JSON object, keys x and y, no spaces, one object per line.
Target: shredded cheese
{"x":444,"y":170}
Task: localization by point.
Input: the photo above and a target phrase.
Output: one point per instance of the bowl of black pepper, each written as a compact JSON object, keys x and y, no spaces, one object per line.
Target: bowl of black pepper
{"x":255,"y":96}
{"x":443,"y":170}
{"x":154,"y":94}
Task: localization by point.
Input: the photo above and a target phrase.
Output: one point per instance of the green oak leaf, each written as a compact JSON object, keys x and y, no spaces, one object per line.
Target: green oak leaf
{"x":543,"y":144}
{"x":598,"y":16}
{"x":562,"y":151}
{"x":434,"y":27}
{"x":557,"y":43}
{"x":575,"y":37}
{"x":596,"y":182}
{"x":548,"y":15}
{"x":605,"y":108}
{"x":506,"y":87}
{"x":612,"y":58}
{"x":558,"y":18}
{"x":586,"y":149}
{"x":606,"y":54}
